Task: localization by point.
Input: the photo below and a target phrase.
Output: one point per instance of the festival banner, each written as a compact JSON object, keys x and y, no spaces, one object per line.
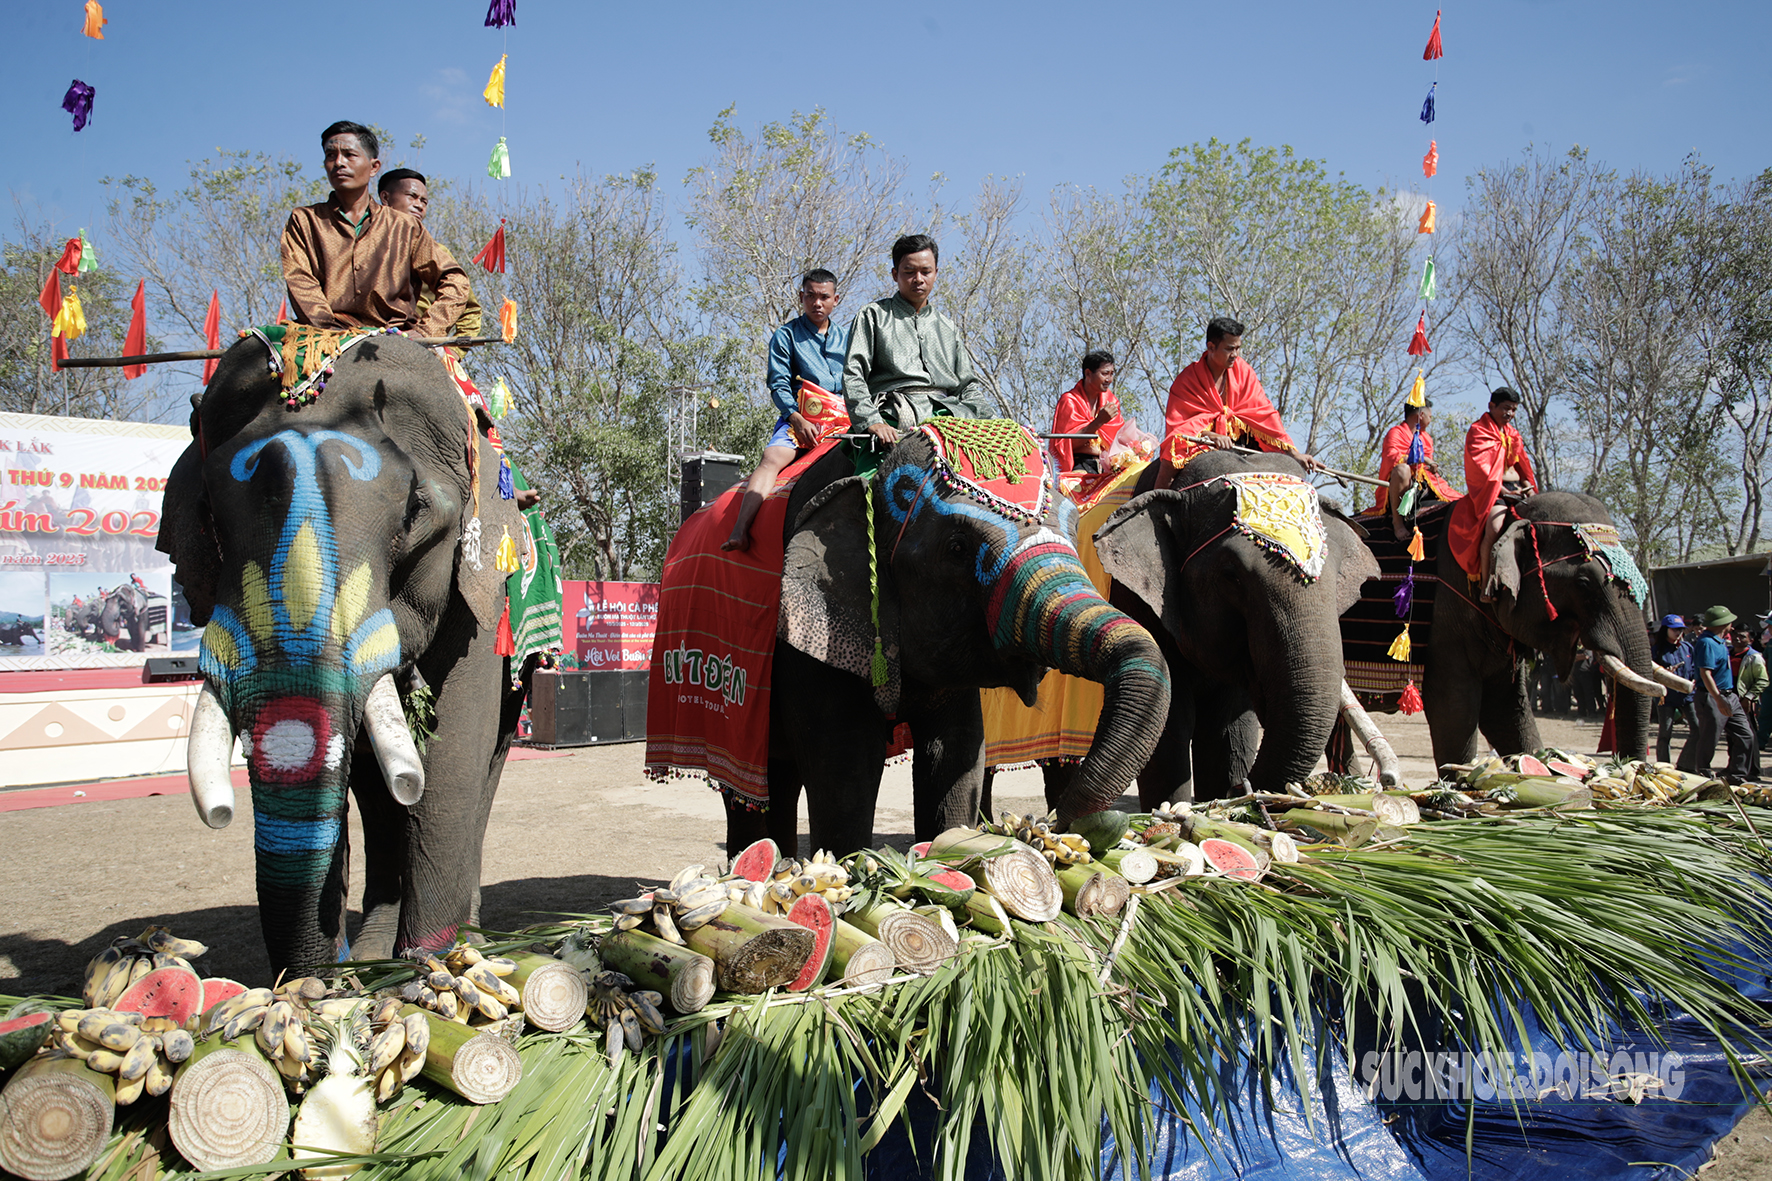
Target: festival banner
{"x":614,"y":623}
{"x":81,"y":584}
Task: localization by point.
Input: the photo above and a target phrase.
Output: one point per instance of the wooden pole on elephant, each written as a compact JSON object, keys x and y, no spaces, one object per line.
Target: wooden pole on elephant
{"x":1327,"y":471}
{"x":212,"y":354}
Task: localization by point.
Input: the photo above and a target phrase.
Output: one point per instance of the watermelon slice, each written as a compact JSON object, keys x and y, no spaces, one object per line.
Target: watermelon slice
{"x":21,"y":1036}
{"x":1531,"y":766}
{"x":757,"y":863}
{"x":1230,"y":859}
{"x":814,"y":913}
{"x":174,"y":993}
{"x":947,"y":887}
{"x":217,"y":989}
{"x":921,"y":848}
{"x":1572,"y":770}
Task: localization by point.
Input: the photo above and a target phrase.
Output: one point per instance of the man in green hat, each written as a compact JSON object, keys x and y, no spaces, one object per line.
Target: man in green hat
{"x":1717,"y":707}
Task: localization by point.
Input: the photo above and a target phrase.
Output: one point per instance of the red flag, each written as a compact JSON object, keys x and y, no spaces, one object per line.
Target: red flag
{"x":1430,"y":163}
{"x":492,"y":255}
{"x":1433,"y":49}
{"x":212,"y":334}
{"x":51,"y":299}
{"x":58,"y":352}
{"x":283,"y":311}
{"x":69,"y":262}
{"x":1418,"y":344}
{"x":135,"y":342}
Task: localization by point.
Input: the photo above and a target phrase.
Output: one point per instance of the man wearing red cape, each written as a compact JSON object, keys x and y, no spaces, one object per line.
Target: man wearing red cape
{"x":1218,"y":402}
{"x":1497,"y":475}
{"x":1089,"y":407}
{"x":1407,"y":458}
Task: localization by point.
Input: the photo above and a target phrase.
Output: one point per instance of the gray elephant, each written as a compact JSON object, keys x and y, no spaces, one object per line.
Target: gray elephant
{"x":334,"y":548}
{"x":973,"y":592}
{"x":1242,"y":573}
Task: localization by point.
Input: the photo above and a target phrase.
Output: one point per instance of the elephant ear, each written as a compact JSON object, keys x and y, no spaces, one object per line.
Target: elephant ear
{"x":826,"y":596}
{"x":1505,"y":561}
{"x":187,"y":534}
{"x":1140,"y":545}
{"x":483,"y":589}
{"x":1354,"y":563}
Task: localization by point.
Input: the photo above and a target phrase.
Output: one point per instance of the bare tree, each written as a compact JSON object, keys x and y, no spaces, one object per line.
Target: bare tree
{"x":1740,"y":356}
{"x":1099,"y":289}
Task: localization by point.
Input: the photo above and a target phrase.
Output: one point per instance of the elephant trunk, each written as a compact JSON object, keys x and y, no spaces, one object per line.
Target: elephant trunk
{"x":1298,"y":686}
{"x":1045,"y":606}
{"x":1619,"y":639}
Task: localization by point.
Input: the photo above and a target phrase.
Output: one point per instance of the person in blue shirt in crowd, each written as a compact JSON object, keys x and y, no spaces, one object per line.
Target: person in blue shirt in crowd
{"x":1717,"y":708}
{"x":811,"y":347}
{"x":1670,"y":650}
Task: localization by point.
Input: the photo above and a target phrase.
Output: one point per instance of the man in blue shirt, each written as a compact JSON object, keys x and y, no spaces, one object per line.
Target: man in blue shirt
{"x":811,"y":348}
{"x":1718,"y":709}
{"x":1671,"y":651}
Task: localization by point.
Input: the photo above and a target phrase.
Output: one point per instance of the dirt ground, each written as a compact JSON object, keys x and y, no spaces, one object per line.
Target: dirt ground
{"x":568,"y":835}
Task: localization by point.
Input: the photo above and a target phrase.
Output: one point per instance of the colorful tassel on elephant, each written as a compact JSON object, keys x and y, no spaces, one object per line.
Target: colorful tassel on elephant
{"x":501,"y":13}
{"x":499,"y":404}
{"x":470,"y":545}
{"x":1410,"y":701}
{"x":505,"y":644}
{"x":507,"y":318}
{"x":1424,"y":226}
{"x":1417,"y":548}
{"x":1418,"y":344}
{"x":505,"y":560}
{"x":1399,"y":649}
{"x":492,"y":255}
{"x":506,"y":489}
{"x":1405,"y":596}
{"x":88,"y":256}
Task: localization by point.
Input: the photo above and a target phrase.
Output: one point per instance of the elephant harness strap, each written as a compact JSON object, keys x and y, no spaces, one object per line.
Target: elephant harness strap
{"x":1599,"y":542}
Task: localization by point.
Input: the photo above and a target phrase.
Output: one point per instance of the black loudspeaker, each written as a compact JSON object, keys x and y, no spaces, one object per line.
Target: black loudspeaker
{"x":578,"y":708}
{"x":705,"y":476}
{"x":160,"y":669}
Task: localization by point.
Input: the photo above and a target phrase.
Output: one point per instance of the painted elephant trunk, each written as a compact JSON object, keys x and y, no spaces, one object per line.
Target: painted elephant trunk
{"x":1045,"y":606}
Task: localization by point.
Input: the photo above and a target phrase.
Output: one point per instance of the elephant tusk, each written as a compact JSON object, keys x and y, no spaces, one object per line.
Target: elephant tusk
{"x":208,"y":754}
{"x":1379,"y":747}
{"x":1671,"y":679}
{"x":385,"y":720}
{"x":1622,"y":673}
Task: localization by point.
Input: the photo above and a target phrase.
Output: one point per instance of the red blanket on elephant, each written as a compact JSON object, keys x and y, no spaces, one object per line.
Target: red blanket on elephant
{"x":707,"y":703}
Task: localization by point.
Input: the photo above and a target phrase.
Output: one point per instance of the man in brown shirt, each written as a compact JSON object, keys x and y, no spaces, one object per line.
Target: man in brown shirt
{"x":349,"y":263}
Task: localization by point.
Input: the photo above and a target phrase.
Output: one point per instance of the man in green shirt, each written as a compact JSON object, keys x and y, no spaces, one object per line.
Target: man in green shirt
{"x":906,"y":363}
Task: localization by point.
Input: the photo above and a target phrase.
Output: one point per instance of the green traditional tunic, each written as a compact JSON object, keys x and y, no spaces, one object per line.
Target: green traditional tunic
{"x":905,"y":366}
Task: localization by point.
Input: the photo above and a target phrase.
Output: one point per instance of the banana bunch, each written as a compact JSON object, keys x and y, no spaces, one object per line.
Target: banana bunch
{"x":792,"y":878}
{"x":127,"y":960}
{"x":397,"y":1046}
{"x":1059,"y":848}
{"x":1649,"y":783}
{"x":693,"y":899}
{"x":143,"y":1052}
{"x":463,"y":985}
{"x":626,"y":1016}
{"x":278,"y":1020}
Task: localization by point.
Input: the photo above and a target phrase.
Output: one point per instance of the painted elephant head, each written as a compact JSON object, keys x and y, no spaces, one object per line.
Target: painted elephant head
{"x":1566,"y":583}
{"x":925,"y":579}
{"x":1247,"y":574}
{"x":322,"y":544}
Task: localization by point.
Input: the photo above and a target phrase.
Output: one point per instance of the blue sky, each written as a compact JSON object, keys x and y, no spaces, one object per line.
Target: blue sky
{"x":1053,"y":93}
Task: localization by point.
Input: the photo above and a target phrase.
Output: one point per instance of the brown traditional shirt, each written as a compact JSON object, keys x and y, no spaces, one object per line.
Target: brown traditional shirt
{"x":368,"y":274}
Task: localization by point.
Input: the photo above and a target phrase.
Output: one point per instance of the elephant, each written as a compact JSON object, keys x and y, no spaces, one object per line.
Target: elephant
{"x":107,"y":617}
{"x":332,"y":550}
{"x":1477,"y":670}
{"x":972,"y":594}
{"x":1251,"y":633}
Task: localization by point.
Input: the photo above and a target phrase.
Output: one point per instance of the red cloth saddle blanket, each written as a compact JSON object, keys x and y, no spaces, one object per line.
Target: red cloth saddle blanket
{"x":707,"y":702}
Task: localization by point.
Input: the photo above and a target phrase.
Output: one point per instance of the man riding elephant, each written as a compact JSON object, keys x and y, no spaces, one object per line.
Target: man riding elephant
{"x":1218,"y":402}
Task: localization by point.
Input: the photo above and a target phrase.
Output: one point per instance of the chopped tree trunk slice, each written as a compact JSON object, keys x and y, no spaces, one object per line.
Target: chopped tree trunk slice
{"x":917,"y":944}
{"x":1026,"y":886}
{"x":685,"y":977}
{"x":554,"y":992}
{"x":55,"y":1116}
{"x":753,"y":951}
{"x":480,"y":1067}
{"x":1082,"y":890}
{"x":228,"y":1109}
{"x":857,"y":958}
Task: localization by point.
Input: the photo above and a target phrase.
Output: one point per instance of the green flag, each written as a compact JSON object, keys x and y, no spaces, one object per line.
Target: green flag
{"x":1427,"y":279}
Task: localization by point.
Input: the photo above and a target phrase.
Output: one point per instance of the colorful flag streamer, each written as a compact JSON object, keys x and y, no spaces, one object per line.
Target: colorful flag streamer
{"x":78,"y":103}
{"x":51,"y":298}
{"x":494,"y":94}
{"x":135,"y":341}
{"x":283,"y":312}
{"x":1433,"y":51}
{"x":1430,"y":163}
{"x":1426,"y":225}
{"x":95,"y":21}
{"x":212,"y":334}
{"x":499,"y":166}
{"x":1427,"y":279}
{"x":501,"y":13}
{"x":1418,"y":345}
{"x":1399,"y":649}
{"x":70,"y":321}
{"x":69,"y":262}
{"x":1427,"y":106}
{"x":1410,"y":701}
{"x":88,"y":256}
{"x":507,"y":319}
{"x":1417,"y":392}
{"x":492,"y":255}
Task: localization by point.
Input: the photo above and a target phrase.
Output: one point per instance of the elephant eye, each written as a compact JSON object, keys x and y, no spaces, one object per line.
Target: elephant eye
{"x":957,"y":545}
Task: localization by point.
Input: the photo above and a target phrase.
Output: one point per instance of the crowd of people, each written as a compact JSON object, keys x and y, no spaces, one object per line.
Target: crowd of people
{"x":352,"y":261}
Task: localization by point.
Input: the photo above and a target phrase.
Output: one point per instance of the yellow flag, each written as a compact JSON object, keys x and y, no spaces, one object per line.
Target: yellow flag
{"x":494,"y":94}
{"x":1399,"y":649}
{"x":95,"y":20}
{"x":70,"y":322}
{"x":1417,"y":392}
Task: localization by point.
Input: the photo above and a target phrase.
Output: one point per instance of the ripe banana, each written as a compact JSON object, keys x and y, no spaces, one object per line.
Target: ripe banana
{"x":244,"y":1021}
{"x":386,"y":1047}
{"x":137,"y":1060}
{"x":129,"y":1090}
{"x":177,"y":1046}
{"x":667,"y":928}
{"x":701,"y":916}
{"x":158,"y":1080}
{"x":418,"y":1034}
{"x":387,"y":1084}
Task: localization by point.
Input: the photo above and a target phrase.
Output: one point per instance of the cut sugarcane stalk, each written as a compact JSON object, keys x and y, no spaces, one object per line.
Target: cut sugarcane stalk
{"x":554,"y":992}
{"x":1137,"y":866}
{"x":55,"y":1116}
{"x":228,"y":1108}
{"x":1386,"y":808}
{"x":1115,"y":890}
{"x":1548,"y":793}
{"x":857,"y":958}
{"x":987,"y":914}
{"x":685,"y":977}
{"x":1081,"y":885}
{"x":917,"y":945}
{"x":480,"y":1067}
{"x":1351,"y":831}
{"x":752,"y":951}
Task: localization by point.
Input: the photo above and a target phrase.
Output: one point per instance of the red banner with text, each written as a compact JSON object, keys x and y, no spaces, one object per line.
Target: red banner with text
{"x":613,"y":623}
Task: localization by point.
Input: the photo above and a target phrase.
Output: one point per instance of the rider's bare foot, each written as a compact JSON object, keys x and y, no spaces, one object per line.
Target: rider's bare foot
{"x":737,"y":541}
{"x":1402,"y":532}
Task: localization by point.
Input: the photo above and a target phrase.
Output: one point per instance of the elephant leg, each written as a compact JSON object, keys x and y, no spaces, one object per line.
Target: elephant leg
{"x":1227,"y":737}
{"x":1506,"y":718}
{"x":836,"y":737}
{"x":1057,"y":777}
{"x":1169,"y":776}
{"x":1454,"y":700}
{"x":384,"y":853}
{"x":984,"y":792}
{"x":947,"y":762}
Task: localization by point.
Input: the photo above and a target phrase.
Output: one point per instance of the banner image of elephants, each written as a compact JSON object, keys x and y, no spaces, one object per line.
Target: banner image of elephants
{"x":23,"y":595}
{"x":91,"y":612}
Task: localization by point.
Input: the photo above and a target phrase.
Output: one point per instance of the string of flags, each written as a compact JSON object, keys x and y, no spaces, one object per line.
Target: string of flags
{"x":500,"y":14}
{"x":1404,"y":600}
